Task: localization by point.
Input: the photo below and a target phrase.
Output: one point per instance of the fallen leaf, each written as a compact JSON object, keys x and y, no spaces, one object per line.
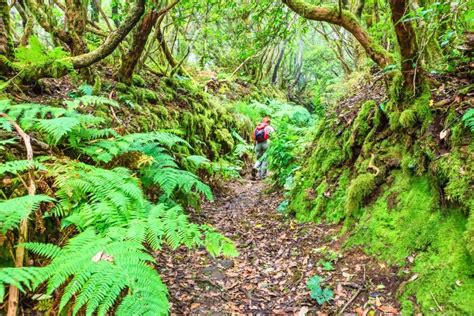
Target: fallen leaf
{"x":444,"y":133}
{"x":303,"y":311}
{"x":195,"y":305}
{"x":388,"y":309}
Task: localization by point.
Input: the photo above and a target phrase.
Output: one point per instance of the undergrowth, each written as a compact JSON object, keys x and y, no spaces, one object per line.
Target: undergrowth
{"x":118,"y":198}
{"x":398,"y":198}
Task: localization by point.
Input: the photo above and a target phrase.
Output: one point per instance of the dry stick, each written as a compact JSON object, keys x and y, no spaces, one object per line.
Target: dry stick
{"x":13,"y":293}
{"x":349,"y":302}
{"x":104,"y":16}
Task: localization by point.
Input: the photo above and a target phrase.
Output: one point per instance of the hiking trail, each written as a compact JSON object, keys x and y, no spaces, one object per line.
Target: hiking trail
{"x":277,"y":256}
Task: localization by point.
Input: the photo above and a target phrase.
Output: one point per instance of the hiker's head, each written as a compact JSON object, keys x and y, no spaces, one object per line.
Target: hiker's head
{"x":266,"y":120}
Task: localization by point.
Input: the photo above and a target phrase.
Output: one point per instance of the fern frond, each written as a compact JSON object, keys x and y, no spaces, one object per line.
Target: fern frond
{"x":468,"y":119}
{"x":13,"y":211}
{"x":90,"y":100}
{"x":171,"y":180}
{"x":18,"y":166}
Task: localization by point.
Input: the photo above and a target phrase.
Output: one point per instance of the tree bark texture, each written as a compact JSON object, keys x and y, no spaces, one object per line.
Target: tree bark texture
{"x":113,"y":40}
{"x":278,"y":63}
{"x":140,"y":39}
{"x":406,"y":38}
{"x":6,"y":41}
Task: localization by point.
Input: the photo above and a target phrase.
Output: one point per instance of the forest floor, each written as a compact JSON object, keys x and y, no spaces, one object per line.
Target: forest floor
{"x":277,"y":256}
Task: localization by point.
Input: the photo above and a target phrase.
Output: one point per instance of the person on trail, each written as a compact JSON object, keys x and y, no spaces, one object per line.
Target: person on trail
{"x":261,"y":136}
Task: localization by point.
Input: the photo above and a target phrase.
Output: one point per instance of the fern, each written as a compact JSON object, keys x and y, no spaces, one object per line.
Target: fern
{"x":106,"y":149}
{"x":13,"y":211}
{"x":468,"y":119}
{"x":95,"y":270}
{"x":106,"y":265}
{"x":171,"y":180}
{"x":90,"y":100}
{"x":36,"y":54}
{"x":6,"y":142}
{"x":17,"y":166}
{"x":57,"y":122}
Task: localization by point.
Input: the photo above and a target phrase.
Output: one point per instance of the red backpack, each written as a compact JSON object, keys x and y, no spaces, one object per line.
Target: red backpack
{"x":260,"y":133}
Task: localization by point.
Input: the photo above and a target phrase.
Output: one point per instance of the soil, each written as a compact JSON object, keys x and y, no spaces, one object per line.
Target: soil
{"x":277,"y":257}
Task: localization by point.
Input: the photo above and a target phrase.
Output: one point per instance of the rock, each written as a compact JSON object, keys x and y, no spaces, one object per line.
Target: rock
{"x":226,"y":263}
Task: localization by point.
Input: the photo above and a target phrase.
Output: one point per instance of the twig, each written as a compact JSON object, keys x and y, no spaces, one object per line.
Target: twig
{"x":112,"y":110}
{"x":349,"y":302}
{"x":13,"y":293}
{"x":436,"y":302}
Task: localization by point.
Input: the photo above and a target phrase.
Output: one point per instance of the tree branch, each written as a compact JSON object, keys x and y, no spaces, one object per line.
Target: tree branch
{"x":348,"y":21}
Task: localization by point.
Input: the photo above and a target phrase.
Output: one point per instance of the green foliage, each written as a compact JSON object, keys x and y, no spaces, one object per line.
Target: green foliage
{"x":404,"y":221}
{"x":408,"y":118}
{"x":317,"y":292}
{"x":55,"y":122}
{"x":35,"y":58}
{"x":18,"y":166}
{"x":359,"y":188}
{"x":36,"y":54}
{"x":107,"y":264}
{"x":468,"y":119}
{"x":13,"y":211}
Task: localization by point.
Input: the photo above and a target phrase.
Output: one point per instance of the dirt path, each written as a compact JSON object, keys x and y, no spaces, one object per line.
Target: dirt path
{"x":277,"y":256}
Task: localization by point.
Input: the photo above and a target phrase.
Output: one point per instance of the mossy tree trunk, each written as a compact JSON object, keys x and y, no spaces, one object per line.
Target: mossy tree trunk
{"x":140,"y":38}
{"x":348,"y":21}
{"x":6,"y":40}
{"x":76,"y":17}
{"x":406,"y":38}
{"x":278,"y":63}
{"x":92,"y":57}
{"x":27,"y":21}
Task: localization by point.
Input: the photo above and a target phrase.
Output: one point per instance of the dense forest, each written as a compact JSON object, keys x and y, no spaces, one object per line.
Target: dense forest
{"x":128,"y":140}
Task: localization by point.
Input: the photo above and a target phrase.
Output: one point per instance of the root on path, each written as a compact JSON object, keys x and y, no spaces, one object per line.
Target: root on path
{"x":277,"y":256}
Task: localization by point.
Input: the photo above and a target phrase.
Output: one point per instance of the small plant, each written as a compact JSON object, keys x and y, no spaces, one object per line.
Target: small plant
{"x":326,"y":265}
{"x":317,"y":292}
{"x":468,"y":119}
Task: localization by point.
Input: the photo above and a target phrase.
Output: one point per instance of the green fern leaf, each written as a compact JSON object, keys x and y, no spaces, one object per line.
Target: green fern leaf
{"x":13,"y":211}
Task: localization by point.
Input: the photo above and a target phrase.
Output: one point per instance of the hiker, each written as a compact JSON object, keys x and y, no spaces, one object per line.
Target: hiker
{"x":261,"y":136}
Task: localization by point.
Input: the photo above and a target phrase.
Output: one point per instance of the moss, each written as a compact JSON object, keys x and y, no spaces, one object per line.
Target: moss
{"x":335,"y":210}
{"x":359,"y":189}
{"x":138,"y":81}
{"x":319,"y":202}
{"x":407,"y":118}
{"x":414,"y":225}
{"x":469,"y":233}
{"x":362,"y":126}
{"x":455,"y":175}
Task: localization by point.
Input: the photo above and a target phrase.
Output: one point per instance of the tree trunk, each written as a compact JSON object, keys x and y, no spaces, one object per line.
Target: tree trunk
{"x":76,"y":18}
{"x":129,"y":61}
{"x":164,"y":47}
{"x":113,"y":40}
{"x":278,"y":63}
{"x":348,"y":21}
{"x":6,"y":41}
{"x":115,"y":7}
{"x":407,"y":44}
{"x":95,"y":12}
{"x":140,"y":38}
{"x":27,"y":21}
{"x":88,"y":59}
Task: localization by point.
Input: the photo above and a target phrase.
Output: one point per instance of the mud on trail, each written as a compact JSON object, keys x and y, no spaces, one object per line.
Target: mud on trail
{"x":277,"y":256}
